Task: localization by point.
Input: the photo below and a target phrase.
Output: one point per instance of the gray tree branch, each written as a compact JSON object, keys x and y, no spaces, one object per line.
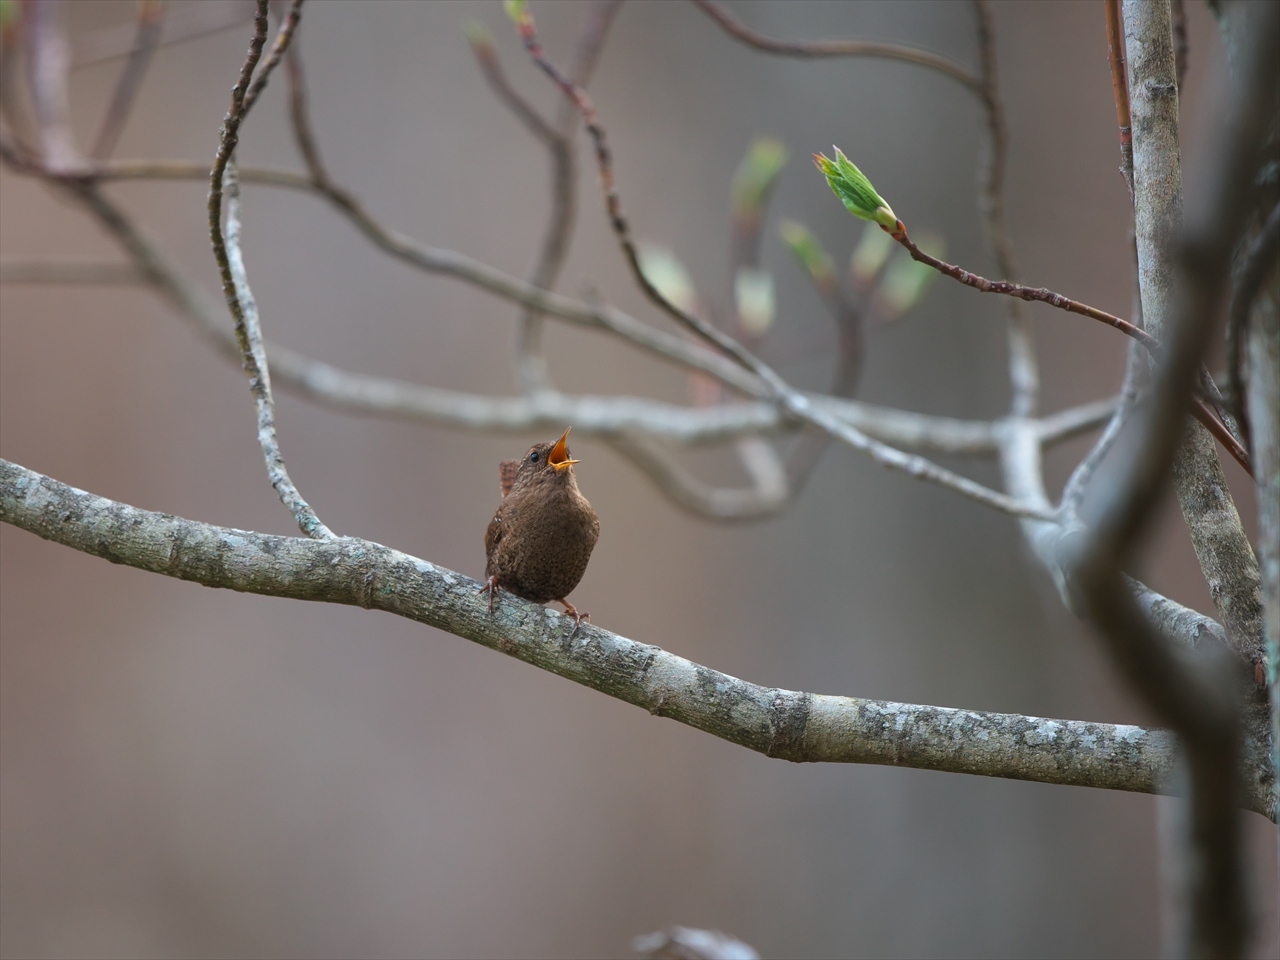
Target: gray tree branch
{"x":790,"y":725}
{"x":1219,"y":539}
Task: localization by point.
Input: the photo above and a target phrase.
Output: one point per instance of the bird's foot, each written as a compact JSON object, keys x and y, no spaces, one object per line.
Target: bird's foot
{"x":572,"y":611}
{"x":491,"y":586}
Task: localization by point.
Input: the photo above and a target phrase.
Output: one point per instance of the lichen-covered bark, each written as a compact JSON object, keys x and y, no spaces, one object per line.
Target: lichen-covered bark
{"x":1220,"y":543}
{"x":790,"y":725}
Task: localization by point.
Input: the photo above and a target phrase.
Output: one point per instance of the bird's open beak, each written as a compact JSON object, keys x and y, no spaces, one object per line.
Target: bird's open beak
{"x":559,"y":456}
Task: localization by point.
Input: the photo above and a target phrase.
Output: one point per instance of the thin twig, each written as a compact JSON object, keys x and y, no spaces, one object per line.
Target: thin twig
{"x":11,"y":111}
{"x":794,"y":402}
{"x":235,"y":284}
{"x":486,"y":55}
{"x":278,"y":49}
{"x":187,"y":22}
{"x":1011,"y":289}
{"x":150,"y":26}
{"x":300,"y":119}
{"x":1197,"y":699}
{"x":48,"y":63}
{"x":1198,"y":407}
{"x":769,"y":494}
{"x":228,"y":138}
{"x":1077,"y":484}
{"x":836,"y":48}
{"x":530,"y":364}
{"x":255,"y":364}
{"x":1120,"y":90}
{"x":1255,"y":264}
{"x":1024,"y":372}
{"x":69,"y":271}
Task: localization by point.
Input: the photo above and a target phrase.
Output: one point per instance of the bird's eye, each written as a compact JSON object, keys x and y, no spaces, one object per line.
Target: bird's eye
{"x":533,"y":457}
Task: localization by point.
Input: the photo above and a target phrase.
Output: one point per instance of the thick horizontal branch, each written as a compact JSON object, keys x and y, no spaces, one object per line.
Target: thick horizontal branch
{"x":801,"y":727}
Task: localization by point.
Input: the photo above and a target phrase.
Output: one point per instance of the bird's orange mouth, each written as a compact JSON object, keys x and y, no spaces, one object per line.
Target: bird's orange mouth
{"x":559,"y":455}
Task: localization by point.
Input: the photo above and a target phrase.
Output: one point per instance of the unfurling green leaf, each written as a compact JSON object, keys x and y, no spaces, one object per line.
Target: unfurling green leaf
{"x":668,"y":275}
{"x":906,"y":281}
{"x":753,"y":292}
{"x":10,"y":17}
{"x":756,"y":174}
{"x":477,"y":34}
{"x":517,"y":10}
{"x":809,"y":251}
{"x":870,"y":254}
{"x":854,"y":190}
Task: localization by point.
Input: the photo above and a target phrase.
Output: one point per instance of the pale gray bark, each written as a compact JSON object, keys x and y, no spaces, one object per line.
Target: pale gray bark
{"x":791,"y":725}
{"x":1219,"y":539}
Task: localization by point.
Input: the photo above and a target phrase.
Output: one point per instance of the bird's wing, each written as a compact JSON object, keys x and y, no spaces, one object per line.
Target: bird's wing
{"x":493,"y":534}
{"x":507,"y":474}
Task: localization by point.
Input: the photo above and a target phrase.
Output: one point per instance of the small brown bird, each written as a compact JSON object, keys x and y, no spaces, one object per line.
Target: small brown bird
{"x":539,"y":541}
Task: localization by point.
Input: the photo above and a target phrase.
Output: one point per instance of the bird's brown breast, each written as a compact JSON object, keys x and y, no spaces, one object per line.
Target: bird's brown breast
{"x":539,"y":541}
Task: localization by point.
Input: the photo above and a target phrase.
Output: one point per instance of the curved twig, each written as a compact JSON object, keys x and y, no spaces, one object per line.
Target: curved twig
{"x":836,"y":48}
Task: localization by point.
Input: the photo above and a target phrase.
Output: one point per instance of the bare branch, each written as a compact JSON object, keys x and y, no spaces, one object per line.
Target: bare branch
{"x":187,"y":22}
{"x":1221,"y":545}
{"x":249,"y":334}
{"x":801,"y":727}
{"x":792,"y":401}
{"x":1256,"y":264}
{"x":836,"y":48}
{"x":1011,"y":289}
{"x":970,"y":279}
{"x":150,"y":26}
{"x":486,"y":55}
{"x":69,"y":271}
{"x":686,"y":943}
{"x":1024,"y":372}
{"x":1078,"y":483}
{"x":278,"y":49}
{"x":1120,"y":90}
{"x":1199,"y":699}
{"x":769,"y":495}
{"x":48,"y":63}
{"x":1066,"y":424}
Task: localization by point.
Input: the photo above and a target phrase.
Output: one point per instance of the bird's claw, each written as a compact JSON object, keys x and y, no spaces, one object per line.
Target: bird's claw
{"x":491,"y":587}
{"x":572,"y":611}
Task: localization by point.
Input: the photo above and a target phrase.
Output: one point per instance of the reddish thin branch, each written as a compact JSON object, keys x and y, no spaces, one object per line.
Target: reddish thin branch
{"x":1199,"y":408}
{"x":613,"y":203}
{"x":836,"y":48}
{"x":1120,"y":89}
{"x":1012,"y":289}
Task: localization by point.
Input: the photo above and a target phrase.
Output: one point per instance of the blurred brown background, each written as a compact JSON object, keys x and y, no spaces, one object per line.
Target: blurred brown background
{"x":189,"y":772}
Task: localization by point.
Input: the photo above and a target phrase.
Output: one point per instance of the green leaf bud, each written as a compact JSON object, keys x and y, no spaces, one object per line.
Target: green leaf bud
{"x":906,"y":281}
{"x":854,"y":190}
{"x":517,"y":10}
{"x":756,"y":174}
{"x":808,"y":250}
{"x":668,"y":275}
{"x":870,"y":254}
{"x":754,"y":295}
{"x":477,"y":35}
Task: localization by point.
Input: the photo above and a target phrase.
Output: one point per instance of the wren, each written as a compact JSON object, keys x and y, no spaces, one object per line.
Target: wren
{"x":541,"y":537}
